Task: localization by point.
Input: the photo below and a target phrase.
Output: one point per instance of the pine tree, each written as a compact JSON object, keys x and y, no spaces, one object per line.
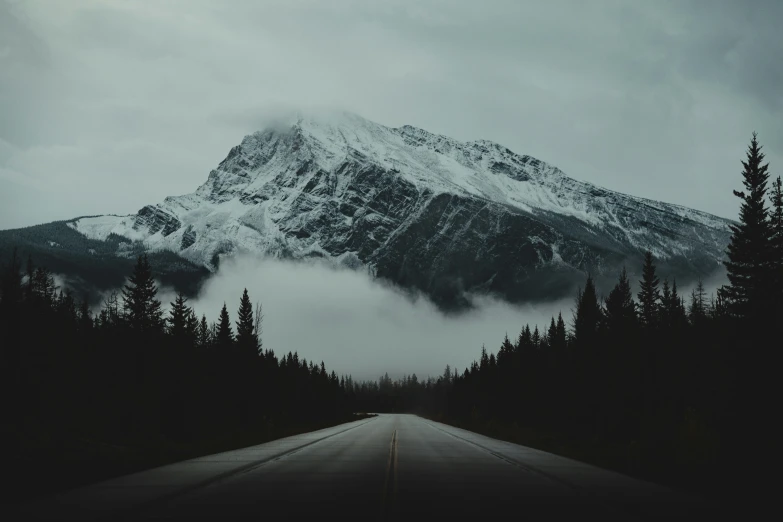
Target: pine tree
{"x":177,"y":320}
{"x":110,"y":314}
{"x":224,"y":337}
{"x":142,"y":309}
{"x":648,"y":293}
{"x":247,"y":342}
{"x":776,"y":255}
{"x":44,"y":286}
{"x":552,"y":333}
{"x":748,"y":252}
{"x":619,"y":307}
{"x":536,"y":339}
{"x":677,"y":308}
{"x":698,"y":307}
{"x":588,"y":314}
{"x":562,"y":335}
{"x":257,"y":327}
{"x":191,"y":328}
{"x":204,"y":336}
{"x":664,"y":311}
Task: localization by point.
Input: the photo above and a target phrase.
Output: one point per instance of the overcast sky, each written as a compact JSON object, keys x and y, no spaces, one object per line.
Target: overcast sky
{"x":108,"y":105}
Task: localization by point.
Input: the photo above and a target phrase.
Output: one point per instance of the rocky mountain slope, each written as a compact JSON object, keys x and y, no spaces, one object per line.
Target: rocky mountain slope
{"x":420,"y":210}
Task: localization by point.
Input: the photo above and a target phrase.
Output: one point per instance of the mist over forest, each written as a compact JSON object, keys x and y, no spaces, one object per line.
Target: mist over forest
{"x":361,"y":326}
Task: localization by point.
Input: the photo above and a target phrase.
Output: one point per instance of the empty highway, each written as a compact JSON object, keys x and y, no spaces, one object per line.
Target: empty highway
{"x":390,"y":467}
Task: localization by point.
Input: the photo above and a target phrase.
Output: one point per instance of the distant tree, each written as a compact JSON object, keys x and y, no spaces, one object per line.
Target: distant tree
{"x":525,"y":341}
{"x":649,"y":294}
{"x":224,"y":336}
{"x":536,"y":338}
{"x":561,"y":331}
{"x":44,"y":285}
{"x":749,"y":249}
{"x":191,"y":328}
{"x":588,"y":314}
{"x":664,"y":312}
{"x":447,"y":374}
{"x":203,"y":338}
{"x":552,"y":333}
{"x":619,"y":307}
{"x":258,"y":327}
{"x":110,"y":313}
{"x":676,"y":308}
{"x":247,"y":342}
{"x":697,"y":311}
{"x":142,"y":309}
{"x":776,"y":256}
{"x":178,"y":319}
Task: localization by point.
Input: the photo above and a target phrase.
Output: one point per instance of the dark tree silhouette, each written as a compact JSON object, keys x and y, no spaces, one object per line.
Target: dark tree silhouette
{"x":776,"y":255}
{"x":587,"y":316}
{"x":619,"y":307}
{"x":649,"y":294}
{"x":224,"y":337}
{"x":247,"y":341}
{"x":178,"y":319}
{"x":142,"y":309}
{"x":747,"y":294}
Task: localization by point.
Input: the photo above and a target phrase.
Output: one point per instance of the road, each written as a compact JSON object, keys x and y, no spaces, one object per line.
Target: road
{"x":390,"y":467}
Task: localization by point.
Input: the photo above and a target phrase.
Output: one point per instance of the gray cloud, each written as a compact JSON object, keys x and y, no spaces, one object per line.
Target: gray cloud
{"x":356,"y":325}
{"x":110,"y":106}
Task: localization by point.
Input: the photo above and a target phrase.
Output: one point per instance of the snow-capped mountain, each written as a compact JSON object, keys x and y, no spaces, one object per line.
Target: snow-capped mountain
{"x":418,"y":209}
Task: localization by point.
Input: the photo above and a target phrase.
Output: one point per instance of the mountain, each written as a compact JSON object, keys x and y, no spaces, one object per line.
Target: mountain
{"x":420,"y":210}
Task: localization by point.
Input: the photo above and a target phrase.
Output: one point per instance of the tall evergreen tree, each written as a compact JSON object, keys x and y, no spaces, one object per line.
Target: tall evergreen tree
{"x":776,"y":255}
{"x":247,"y":342}
{"x":552,"y":333}
{"x":748,"y":292}
{"x":588,"y":314}
{"x":664,"y":310}
{"x":142,"y":309}
{"x":649,"y":294}
{"x":204,"y":335}
{"x":224,"y":336}
{"x":697,"y":311}
{"x":619,"y":307}
{"x":178,"y":318}
{"x":191,"y":328}
{"x":677,"y":308}
{"x":536,"y":339}
{"x":562,"y":334}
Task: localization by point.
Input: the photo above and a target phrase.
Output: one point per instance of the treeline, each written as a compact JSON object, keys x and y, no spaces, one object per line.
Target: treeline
{"x":132,"y":375}
{"x":675,"y":388}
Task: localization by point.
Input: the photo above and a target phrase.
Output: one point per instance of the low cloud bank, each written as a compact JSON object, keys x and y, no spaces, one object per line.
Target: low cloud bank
{"x":363,"y":327}
{"x":359,"y":326}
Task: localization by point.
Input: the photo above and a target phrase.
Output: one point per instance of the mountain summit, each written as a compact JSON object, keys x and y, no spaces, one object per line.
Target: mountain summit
{"x":420,"y":210}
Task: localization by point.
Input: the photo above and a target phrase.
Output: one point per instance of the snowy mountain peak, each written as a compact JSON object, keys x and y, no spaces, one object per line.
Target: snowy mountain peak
{"x":421,"y":209}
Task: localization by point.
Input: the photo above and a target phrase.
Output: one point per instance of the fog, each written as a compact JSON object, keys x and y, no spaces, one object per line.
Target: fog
{"x":358,"y":325}
{"x":362,"y":326}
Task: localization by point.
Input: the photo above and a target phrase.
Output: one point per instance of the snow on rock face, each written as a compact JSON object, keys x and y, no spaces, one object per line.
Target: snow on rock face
{"x":422,"y":210}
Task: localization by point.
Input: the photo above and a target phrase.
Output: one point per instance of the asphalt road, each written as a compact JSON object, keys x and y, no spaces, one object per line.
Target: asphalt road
{"x":391,"y":467}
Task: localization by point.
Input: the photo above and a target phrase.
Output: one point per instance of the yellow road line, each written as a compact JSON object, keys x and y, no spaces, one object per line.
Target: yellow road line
{"x":391,"y":471}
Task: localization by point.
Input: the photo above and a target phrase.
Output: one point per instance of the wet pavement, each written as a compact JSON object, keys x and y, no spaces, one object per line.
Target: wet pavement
{"x":390,"y":467}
